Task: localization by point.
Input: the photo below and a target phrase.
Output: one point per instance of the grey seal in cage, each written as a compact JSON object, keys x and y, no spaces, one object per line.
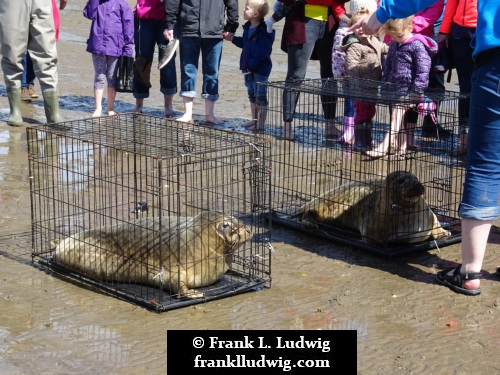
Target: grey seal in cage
{"x":184,"y":252}
{"x":384,"y":210}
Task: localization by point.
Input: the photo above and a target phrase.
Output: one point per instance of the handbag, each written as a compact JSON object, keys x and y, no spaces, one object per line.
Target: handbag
{"x":125,"y":74}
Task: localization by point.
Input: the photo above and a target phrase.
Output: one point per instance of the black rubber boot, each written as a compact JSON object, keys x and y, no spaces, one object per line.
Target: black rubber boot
{"x":432,"y":130}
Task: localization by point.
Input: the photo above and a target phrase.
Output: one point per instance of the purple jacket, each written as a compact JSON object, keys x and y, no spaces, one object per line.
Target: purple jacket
{"x":112,"y":30}
{"x":409,"y":63}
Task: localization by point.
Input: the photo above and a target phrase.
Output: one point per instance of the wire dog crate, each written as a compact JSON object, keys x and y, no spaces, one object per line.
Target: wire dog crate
{"x":323,"y":186}
{"x":161,"y":213}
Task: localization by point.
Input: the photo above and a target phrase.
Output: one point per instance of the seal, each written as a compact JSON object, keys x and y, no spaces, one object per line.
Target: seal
{"x":383,"y":210}
{"x":176,"y":253}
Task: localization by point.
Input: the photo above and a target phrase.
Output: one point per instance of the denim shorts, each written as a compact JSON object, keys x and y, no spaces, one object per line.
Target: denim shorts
{"x":482,"y":178}
{"x":256,"y":93}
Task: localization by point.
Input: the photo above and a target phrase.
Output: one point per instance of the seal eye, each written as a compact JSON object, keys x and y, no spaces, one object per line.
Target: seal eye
{"x":225,"y":224}
{"x":401,"y":180}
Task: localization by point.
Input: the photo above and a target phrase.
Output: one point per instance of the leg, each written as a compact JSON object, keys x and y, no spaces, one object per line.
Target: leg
{"x":348,"y":136}
{"x":111,"y":66}
{"x":250,"y":84}
{"x":99,"y":62}
{"x":211,"y":52}
{"x":297,"y":61}
{"x":189,"y":51}
{"x":392,"y":135}
{"x":144,"y":41}
{"x":168,"y":73}
{"x":479,"y":206}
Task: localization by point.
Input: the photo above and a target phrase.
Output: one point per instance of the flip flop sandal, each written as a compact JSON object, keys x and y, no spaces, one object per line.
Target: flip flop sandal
{"x":456,"y":281}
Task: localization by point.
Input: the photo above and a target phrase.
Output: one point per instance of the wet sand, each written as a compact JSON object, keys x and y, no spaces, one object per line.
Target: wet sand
{"x":405,"y":322}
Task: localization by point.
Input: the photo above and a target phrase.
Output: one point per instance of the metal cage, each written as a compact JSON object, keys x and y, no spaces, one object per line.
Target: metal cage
{"x":103,"y":188}
{"x":312,"y":165}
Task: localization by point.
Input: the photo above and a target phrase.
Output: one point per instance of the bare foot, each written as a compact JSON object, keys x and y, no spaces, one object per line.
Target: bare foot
{"x":169,"y":112}
{"x":209,"y":120}
{"x":249,"y":124}
{"x":184,"y":118}
{"x":138,"y":109}
{"x":375,"y":154}
{"x":97,"y":113}
{"x":255,"y":128}
{"x":111,"y":113}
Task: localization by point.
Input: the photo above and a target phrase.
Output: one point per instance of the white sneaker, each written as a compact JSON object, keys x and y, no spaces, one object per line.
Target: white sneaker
{"x":167,"y":52}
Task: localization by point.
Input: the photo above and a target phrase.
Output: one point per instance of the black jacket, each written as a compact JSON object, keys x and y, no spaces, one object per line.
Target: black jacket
{"x":201,"y":18}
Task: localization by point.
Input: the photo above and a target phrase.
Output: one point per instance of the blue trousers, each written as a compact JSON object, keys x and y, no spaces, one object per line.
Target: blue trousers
{"x":211,"y":53}
{"x":148,"y":34}
{"x":482,"y":179}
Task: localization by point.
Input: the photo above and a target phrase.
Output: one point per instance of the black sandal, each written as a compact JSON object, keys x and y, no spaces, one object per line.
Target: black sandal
{"x":456,"y":281}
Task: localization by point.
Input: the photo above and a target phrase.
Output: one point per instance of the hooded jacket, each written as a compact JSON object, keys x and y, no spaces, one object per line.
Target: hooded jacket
{"x":201,"y":18}
{"x":363,"y":56}
{"x":112,"y":29}
{"x":409,"y":63}
{"x":150,"y":9}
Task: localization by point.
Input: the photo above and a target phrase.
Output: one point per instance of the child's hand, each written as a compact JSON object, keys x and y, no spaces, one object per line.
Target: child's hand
{"x":228,"y":36}
{"x":269,"y":23}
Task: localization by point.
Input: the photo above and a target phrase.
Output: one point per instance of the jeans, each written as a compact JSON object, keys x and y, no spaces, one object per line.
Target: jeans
{"x":211,"y":53}
{"x":148,"y":34}
{"x":256,"y":93}
{"x":482,"y":178}
{"x":298,"y":58}
{"x":28,"y":72}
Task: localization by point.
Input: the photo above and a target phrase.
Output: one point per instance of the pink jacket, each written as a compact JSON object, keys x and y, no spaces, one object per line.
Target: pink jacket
{"x":151,"y":9}
{"x":57,"y":20}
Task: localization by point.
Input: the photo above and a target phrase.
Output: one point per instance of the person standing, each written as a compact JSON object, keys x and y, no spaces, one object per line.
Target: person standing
{"x":310,"y":27}
{"x":111,"y":36}
{"x":149,"y":27}
{"x":255,"y":59}
{"x":28,"y":25}
{"x":201,"y":24}
{"x":479,"y":206}
{"x":408,"y":63}
{"x":458,"y":28}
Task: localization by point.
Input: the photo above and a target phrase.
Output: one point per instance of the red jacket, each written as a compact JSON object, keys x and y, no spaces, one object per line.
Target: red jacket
{"x":462,"y":12}
{"x":294,"y":30}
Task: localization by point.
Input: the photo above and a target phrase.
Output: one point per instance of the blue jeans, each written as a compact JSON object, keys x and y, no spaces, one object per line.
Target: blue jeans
{"x":211,"y":52}
{"x":298,"y":58}
{"x":148,"y":34}
{"x":28,"y":72}
{"x":256,"y":93}
{"x":482,"y":178}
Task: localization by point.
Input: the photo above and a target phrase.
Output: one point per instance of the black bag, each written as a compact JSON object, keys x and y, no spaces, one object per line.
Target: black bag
{"x":125,"y":74}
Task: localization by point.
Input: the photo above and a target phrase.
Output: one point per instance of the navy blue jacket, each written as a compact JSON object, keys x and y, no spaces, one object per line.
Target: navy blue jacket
{"x":256,"y":54}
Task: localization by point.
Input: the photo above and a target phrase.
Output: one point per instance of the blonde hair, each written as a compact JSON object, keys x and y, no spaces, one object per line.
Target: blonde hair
{"x":362,"y":13}
{"x":398,"y":26}
{"x":261,"y":6}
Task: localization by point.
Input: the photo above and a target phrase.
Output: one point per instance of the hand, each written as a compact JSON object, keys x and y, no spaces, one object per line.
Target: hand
{"x":228,"y":36}
{"x":442,"y":38}
{"x":269,"y":23}
{"x":168,"y":35}
{"x":62,"y":4}
{"x":368,"y":25}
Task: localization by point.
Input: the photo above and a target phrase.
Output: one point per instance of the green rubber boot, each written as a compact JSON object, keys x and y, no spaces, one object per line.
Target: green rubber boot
{"x":15,"y":118}
{"x":51,"y":104}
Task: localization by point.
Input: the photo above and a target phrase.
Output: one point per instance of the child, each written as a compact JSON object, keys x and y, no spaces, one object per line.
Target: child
{"x":111,"y":36}
{"x":363,"y":60}
{"x":408,"y":64}
{"x":255,"y":60}
{"x":339,"y":71}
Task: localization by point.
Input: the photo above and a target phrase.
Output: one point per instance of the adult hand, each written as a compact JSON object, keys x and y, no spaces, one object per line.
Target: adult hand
{"x":62,"y":4}
{"x":168,"y":34}
{"x":368,"y":25}
{"x":442,"y":38}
